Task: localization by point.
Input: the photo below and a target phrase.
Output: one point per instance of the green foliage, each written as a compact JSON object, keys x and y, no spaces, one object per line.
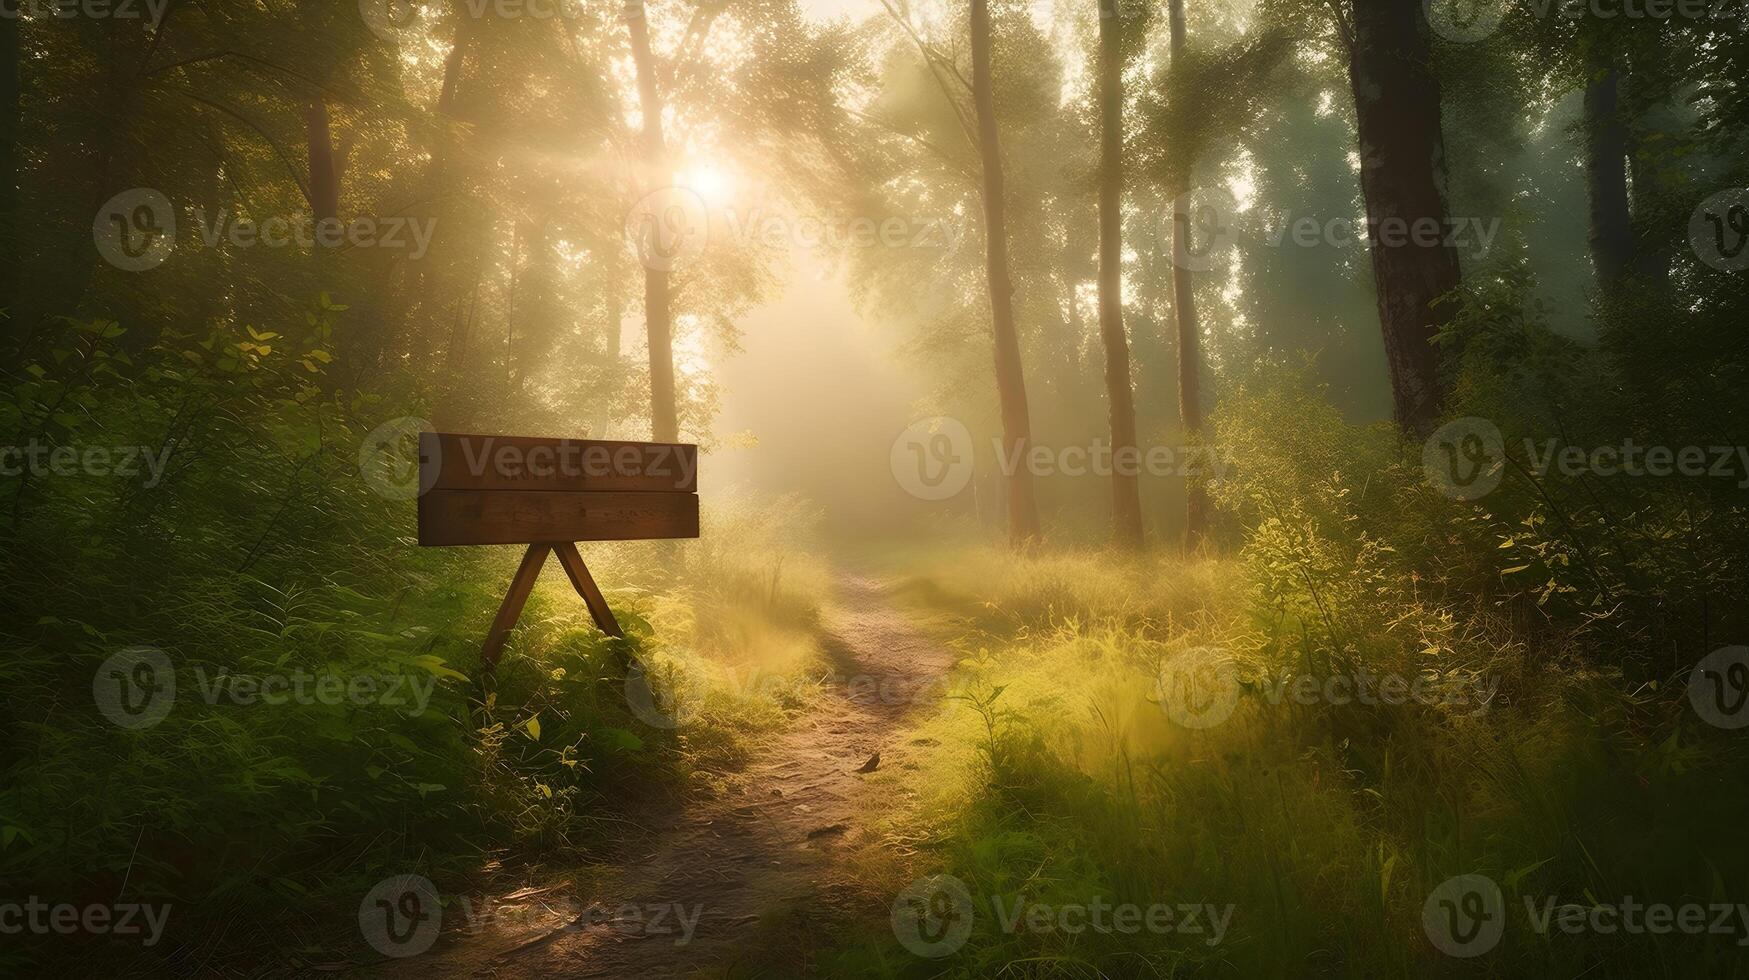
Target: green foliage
{"x":1325,"y":826}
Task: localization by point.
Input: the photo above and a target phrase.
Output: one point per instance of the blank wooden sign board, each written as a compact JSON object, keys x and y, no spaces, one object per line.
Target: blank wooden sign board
{"x":549,"y":494}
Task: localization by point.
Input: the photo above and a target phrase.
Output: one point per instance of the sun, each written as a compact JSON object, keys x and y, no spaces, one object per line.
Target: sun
{"x":707,"y":182}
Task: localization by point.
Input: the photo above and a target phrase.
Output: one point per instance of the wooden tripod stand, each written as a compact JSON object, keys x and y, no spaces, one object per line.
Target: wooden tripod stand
{"x":523,"y":583}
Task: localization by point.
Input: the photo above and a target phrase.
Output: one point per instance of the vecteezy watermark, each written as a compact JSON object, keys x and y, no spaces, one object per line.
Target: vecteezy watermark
{"x":1632,"y":917}
{"x":1465,"y":916}
{"x":1473,"y":234}
{"x":402,"y":916}
{"x":395,"y":20}
{"x":1200,"y":688}
{"x":136,"y":230}
{"x":1718,"y":687}
{"x":150,"y":11}
{"x":1210,"y":220}
{"x":675,"y":922}
{"x":778,"y":230}
{"x":671,"y":226}
{"x":390,"y":458}
{"x":403,"y":458}
{"x":40,"y":918}
{"x":1466,"y":459}
{"x":1719,"y":230}
{"x":39,"y":460}
{"x":303,"y":687}
{"x":933,"y":917}
{"x":932,"y":459}
{"x":667,"y":695}
{"x":1467,"y":21}
{"x":136,"y":688}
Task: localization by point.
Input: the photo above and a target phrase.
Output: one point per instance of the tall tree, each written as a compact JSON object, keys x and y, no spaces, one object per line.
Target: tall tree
{"x":1184,"y":307}
{"x":1402,"y":177}
{"x":10,"y":252}
{"x":1023,"y":525}
{"x":1126,"y":513}
{"x":664,"y":418}
{"x":1611,"y":234}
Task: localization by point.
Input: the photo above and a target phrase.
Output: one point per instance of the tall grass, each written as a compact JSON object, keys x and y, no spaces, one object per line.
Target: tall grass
{"x":1060,"y":778}
{"x":263,"y":551}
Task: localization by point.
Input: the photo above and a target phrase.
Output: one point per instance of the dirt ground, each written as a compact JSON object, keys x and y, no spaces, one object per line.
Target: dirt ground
{"x":710,"y":890}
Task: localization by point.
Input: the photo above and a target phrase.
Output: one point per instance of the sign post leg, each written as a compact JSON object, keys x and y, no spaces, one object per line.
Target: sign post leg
{"x":587,"y":588}
{"x":520,"y":587}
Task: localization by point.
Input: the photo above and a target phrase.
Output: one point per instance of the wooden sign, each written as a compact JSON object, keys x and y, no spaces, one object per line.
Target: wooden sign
{"x":550,"y":494}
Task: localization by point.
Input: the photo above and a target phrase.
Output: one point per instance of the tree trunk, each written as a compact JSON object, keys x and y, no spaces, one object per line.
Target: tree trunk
{"x":611,"y":295}
{"x":664,"y":419}
{"x":1402,"y":176}
{"x":453,"y":63}
{"x":11,"y":250}
{"x":1126,"y":514}
{"x":324,"y":165}
{"x":1196,"y":517}
{"x":1023,"y":525}
{"x":1611,"y":233}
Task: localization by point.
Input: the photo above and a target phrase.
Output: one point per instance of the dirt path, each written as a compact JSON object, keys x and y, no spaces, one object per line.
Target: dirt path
{"x":710,"y":893}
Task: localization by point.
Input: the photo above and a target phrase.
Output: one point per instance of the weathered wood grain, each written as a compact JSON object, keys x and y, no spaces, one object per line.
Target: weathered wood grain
{"x":462,"y":517}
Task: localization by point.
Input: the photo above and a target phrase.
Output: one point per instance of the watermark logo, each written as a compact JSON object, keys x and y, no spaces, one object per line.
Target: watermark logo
{"x":932,"y":917}
{"x":669,"y":698}
{"x":1719,"y":687}
{"x":135,"y":688}
{"x":40,"y":459}
{"x":1465,"y":459}
{"x":811,"y":232}
{"x":1213,"y":227}
{"x":135,"y":230}
{"x":401,"y":916}
{"x":669,"y":227}
{"x":1465,"y":916}
{"x":150,"y":11}
{"x":392,"y":20}
{"x":1467,"y":21}
{"x":389,"y":459}
{"x":1464,"y":21}
{"x":932,"y":458}
{"x":1719,"y":230}
{"x":1474,"y":235}
{"x":40,"y":918}
{"x":1198,"y":687}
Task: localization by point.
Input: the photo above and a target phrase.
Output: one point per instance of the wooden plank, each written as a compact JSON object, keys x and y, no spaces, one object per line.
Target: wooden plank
{"x":511,"y":610}
{"x":456,"y":517}
{"x":457,"y":461}
{"x":586,"y":587}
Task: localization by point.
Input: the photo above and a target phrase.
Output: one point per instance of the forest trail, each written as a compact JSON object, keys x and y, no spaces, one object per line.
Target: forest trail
{"x":727,"y":873}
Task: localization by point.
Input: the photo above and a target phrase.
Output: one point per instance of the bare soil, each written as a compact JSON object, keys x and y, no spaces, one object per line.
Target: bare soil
{"x":754,"y":863}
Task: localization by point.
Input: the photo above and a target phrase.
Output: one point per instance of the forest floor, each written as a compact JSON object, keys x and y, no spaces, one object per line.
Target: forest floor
{"x":731,"y":882}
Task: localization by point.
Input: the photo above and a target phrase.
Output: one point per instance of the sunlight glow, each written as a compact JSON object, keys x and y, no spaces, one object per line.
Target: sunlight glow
{"x":709,"y":183}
